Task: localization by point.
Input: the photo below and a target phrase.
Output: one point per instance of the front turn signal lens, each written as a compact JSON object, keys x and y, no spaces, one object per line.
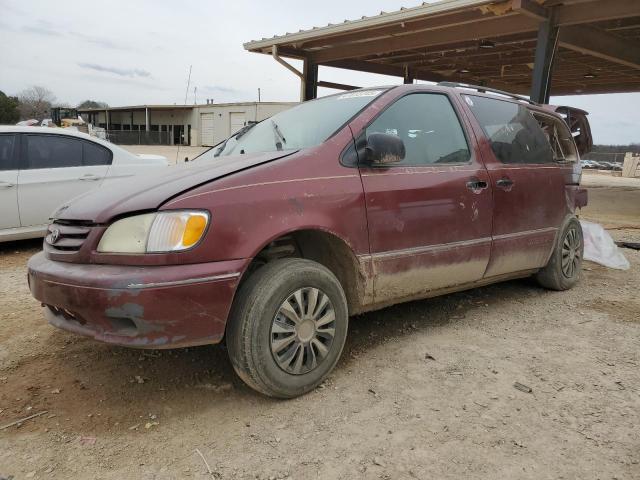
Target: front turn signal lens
{"x":194,"y":229}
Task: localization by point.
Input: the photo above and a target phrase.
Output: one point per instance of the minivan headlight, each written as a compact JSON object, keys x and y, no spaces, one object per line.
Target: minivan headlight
{"x":170,"y":231}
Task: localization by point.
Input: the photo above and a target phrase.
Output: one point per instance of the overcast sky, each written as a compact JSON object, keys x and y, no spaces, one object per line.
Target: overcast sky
{"x":132,"y":53}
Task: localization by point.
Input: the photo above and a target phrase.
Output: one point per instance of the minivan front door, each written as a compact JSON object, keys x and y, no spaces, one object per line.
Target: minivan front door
{"x":429,"y":216}
{"x":9,"y":214}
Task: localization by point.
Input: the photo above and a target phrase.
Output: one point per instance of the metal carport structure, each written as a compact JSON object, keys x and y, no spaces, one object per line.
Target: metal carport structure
{"x":531,"y":47}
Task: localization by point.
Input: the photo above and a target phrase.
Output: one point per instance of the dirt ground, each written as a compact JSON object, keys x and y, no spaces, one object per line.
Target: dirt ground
{"x":424,"y":390}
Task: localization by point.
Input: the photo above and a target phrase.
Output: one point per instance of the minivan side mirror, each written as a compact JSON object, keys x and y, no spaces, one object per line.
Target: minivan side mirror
{"x":383,"y":149}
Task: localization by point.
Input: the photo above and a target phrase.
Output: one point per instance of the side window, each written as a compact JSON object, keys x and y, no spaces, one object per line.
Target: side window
{"x":7,"y":150}
{"x":514,"y":134}
{"x":53,"y":151}
{"x":94,"y":154}
{"x":559,"y":137}
{"x":429,"y":128}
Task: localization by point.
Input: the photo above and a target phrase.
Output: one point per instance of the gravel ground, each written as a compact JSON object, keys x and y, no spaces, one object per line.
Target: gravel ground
{"x":424,"y":390}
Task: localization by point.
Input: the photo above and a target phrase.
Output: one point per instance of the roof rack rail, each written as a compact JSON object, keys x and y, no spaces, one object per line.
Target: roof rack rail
{"x":482,"y":89}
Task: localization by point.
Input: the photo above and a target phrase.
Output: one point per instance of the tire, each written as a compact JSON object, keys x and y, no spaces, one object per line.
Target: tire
{"x":263,"y":322}
{"x":564,"y":267}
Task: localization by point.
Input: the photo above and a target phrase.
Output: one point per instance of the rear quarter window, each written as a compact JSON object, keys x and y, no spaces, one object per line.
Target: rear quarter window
{"x":94,"y":154}
{"x":513,"y":132}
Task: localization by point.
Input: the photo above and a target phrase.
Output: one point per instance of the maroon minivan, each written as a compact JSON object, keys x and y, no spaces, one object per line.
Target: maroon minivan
{"x":340,"y":205}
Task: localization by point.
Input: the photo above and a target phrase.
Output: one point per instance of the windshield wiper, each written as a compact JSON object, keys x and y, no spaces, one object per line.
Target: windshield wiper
{"x":278,"y":136}
{"x":238,"y":135}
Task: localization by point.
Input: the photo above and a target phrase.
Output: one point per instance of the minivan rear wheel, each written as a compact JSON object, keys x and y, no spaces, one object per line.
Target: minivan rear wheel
{"x":287,"y":327}
{"x":564,"y":267}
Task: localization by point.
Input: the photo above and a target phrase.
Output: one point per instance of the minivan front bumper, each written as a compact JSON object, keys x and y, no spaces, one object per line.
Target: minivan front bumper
{"x":135,"y":306}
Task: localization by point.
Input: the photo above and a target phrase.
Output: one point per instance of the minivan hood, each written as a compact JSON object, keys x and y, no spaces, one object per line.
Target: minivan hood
{"x":149,"y":191}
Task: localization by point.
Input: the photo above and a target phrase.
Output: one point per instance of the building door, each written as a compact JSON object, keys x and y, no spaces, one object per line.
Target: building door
{"x":178,"y":134}
{"x":429,"y":215}
{"x":528,"y":185}
{"x":206,"y":129}
{"x":236,"y":122}
{"x":9,"y":217}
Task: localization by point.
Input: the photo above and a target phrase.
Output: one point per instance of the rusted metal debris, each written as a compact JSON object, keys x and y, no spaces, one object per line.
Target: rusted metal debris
{"x":523,"y":388}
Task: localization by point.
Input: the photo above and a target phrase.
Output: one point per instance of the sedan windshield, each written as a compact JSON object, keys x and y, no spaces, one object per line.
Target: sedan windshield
{"x":303,"y":126}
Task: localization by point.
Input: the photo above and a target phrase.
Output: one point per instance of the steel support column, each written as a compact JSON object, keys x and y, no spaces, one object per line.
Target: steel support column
{"x":408,"y":75}
{"x":309,"y":81}
{"x":546,"y":47}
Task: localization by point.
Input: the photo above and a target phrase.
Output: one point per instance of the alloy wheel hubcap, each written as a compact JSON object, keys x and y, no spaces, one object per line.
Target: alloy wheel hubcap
{"x":571,"y":255}
{"x":302,"y":331}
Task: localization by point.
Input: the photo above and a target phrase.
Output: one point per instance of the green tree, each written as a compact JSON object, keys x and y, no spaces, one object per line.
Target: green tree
{"x":9,"y":113}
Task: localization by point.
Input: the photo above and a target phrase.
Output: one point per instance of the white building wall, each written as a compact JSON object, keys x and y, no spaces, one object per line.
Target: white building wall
{"x":166,"y":118}
{"x":252,"y":111}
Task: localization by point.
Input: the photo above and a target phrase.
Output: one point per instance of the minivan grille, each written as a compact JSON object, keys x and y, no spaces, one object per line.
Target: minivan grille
{"x":66,"y":237}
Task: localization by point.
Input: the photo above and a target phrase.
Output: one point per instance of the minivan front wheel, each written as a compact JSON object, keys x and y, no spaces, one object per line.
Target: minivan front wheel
{"x":287,"y":327}
{"x":564,"y":267}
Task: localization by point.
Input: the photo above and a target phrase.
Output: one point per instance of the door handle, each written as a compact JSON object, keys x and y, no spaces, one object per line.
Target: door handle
{"x":7,"y":185}
{"x":476,"y":184}
{"x":89,"y":178}
{"x":505,"y":183}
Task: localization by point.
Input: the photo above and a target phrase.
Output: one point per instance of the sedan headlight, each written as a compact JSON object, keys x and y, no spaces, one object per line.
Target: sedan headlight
{"x":170,"y":231}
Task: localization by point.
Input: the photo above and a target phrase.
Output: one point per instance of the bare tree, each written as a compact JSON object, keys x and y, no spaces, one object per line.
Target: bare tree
{"x":35,"y":102}
{"x":93,"y":104}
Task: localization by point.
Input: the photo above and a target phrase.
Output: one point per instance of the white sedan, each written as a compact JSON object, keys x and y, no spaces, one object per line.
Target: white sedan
{"x":41,"y":168}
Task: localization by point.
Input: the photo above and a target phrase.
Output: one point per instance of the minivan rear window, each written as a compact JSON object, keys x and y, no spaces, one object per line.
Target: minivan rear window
{"x":514,"y":134}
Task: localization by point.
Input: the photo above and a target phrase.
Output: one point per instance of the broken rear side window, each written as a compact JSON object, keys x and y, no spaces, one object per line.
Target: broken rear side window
{"x":514,"y":134}
{"x":559,"y":137}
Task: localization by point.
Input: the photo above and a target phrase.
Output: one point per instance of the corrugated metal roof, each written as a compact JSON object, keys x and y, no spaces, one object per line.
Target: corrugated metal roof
{"x":491,"y":42}
{"x":410,"y":13}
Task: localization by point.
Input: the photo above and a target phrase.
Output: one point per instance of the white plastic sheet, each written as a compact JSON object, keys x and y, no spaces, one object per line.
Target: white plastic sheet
{"x":599,"y":247}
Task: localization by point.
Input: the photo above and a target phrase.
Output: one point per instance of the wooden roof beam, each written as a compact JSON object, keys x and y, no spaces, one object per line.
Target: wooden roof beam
{"x":530,"y":9}
{"x":392,"y":70}
{"x":578,"y":12}
{"x":489,"y":28}
{"x":594,"y":42}
{"x":597,"y":11}
{"x":456,"y":18}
